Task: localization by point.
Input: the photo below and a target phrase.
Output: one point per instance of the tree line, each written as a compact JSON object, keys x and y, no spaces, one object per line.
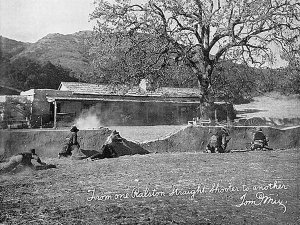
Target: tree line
{"x":24,"y":74}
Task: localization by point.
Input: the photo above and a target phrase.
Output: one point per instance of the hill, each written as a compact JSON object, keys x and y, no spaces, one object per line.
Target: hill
{"x":70,"y":51}
{"x":9,"y":47}
{"x":55,"y":57}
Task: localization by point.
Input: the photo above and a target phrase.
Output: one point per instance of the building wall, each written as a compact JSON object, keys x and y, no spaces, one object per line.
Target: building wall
{"x":71,"y":107}
{"x":67,"y":112}
{"x":129,"y":113}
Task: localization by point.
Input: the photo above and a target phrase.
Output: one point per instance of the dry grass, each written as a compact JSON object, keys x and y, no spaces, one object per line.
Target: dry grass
{"x":60,"y":196}
{"x":273,"y":105}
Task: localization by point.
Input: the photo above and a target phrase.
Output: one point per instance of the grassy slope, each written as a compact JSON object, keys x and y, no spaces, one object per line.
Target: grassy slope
{"x":59,"y":196}
{"x":273,"y":105}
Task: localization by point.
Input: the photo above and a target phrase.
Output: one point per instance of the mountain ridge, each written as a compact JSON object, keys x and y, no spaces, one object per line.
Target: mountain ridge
{"x":67,"y":50}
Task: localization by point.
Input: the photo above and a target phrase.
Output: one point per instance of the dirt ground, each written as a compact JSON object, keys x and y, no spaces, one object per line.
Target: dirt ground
{"x":166,"y":188}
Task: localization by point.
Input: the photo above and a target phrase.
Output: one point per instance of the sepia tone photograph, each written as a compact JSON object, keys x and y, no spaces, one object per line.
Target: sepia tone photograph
{"x":149,"y":112}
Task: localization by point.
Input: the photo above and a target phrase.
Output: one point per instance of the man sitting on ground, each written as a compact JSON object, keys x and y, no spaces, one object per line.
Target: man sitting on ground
{"x":218,"y":141}
{"x":259,"y":140}
{"x":71,"y":143}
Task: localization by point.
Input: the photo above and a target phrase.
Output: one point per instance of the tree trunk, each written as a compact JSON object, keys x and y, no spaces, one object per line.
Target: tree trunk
{"x":206,"y":95}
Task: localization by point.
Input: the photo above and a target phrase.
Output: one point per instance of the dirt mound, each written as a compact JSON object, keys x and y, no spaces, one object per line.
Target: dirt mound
{"x":128,"y":148}
{"x":121,"y":148}
{"x":120,"y":145}
{"x":195,"y":138}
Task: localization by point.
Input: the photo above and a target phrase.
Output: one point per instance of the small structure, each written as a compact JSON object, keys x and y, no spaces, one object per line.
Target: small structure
{"x":15,"y":111}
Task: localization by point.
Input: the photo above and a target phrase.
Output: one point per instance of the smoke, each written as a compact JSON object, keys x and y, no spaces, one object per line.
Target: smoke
{"x":88,"y":120}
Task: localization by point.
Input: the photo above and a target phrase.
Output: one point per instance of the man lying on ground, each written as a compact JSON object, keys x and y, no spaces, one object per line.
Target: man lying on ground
{"x":108,"y":150}
{"x":24,"y":159}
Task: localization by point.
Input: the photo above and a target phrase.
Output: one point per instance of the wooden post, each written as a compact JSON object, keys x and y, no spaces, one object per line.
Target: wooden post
{"x":41,"y":126}
{"x":178,"y":115}
{"x":216,"y":117}
{"x":227,"y":116}
{"x":55,"y":112}
{"x":147,"y":113}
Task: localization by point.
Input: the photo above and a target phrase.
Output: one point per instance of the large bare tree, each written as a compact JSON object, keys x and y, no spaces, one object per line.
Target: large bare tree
{"x":201,"y":33}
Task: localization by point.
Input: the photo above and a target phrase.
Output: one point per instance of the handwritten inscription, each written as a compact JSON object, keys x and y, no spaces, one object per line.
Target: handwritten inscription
{"x":262,"y":199}
{"x":270,"y":186}
{"x":178,"y":192}
{"x":98,"y":197}
{"x":217,"y":188}
{"x":263,"y":193}
{"x":137,"y":193}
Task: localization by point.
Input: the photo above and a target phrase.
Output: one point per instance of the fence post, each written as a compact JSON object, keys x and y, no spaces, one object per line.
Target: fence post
{"x":55,"y":112}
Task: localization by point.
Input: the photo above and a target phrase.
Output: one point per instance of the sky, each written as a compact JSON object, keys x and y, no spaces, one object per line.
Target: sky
{"x":30,"y":20}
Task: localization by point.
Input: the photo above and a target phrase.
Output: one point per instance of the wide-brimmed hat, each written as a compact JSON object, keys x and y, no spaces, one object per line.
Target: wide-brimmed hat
{"x":74,"y":129}
{"x":115,"y":132}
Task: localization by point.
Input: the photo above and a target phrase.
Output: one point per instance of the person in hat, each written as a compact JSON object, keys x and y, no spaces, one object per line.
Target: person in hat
{"x":259,"y":135}
{"x":218,"y":141}
{"x":259,"y":140}
{"x":71,"y":143}
{"x":23,"y":159}
{"x":108,"y":150}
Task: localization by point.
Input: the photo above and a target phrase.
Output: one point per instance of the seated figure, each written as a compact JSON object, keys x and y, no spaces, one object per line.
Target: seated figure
{"x":218,"y":141}
{"x":70,"y":144}
{"x":259,"y":140}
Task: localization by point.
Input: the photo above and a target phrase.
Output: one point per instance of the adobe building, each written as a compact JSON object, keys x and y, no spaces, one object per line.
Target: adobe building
{"x":116,"y":105}
{"x":113,"y":105}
